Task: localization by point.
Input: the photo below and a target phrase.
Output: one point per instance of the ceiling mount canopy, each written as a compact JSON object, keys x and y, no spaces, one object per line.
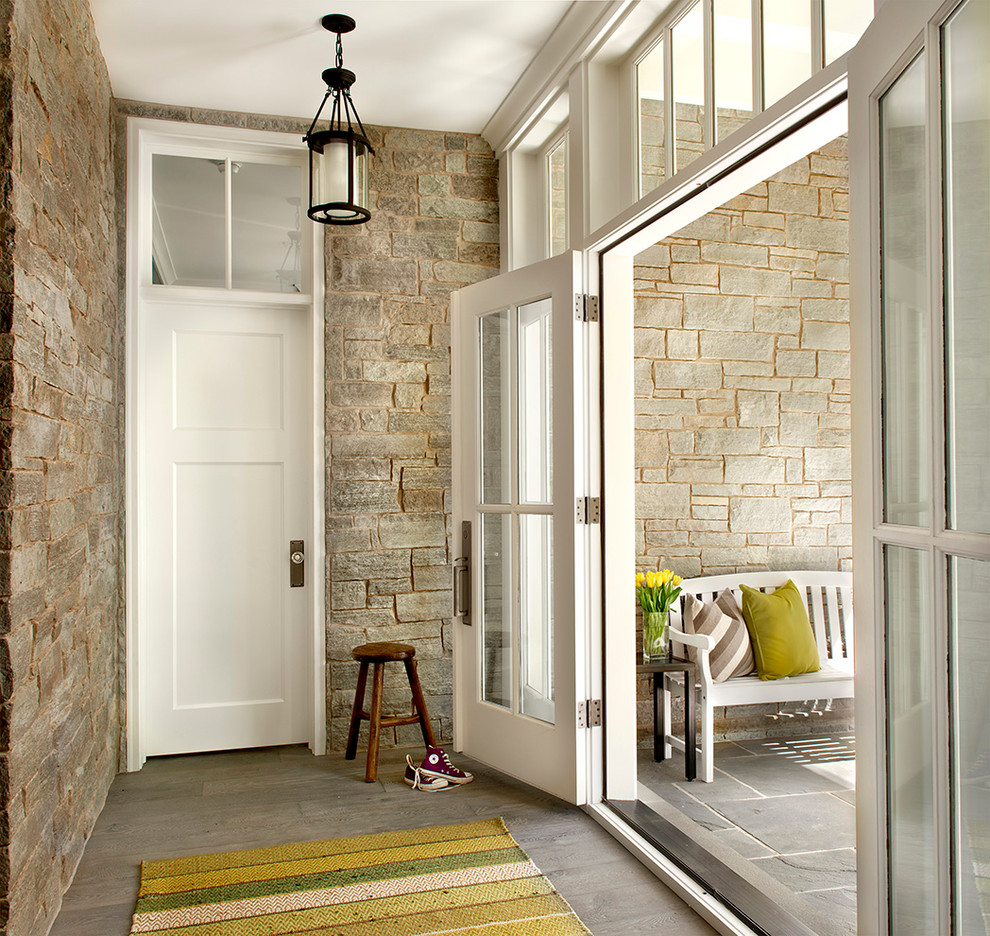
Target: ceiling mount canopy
{"x":338,"y":156}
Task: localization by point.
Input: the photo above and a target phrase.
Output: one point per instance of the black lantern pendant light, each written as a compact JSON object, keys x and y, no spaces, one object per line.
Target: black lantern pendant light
{"x":338,"y":156}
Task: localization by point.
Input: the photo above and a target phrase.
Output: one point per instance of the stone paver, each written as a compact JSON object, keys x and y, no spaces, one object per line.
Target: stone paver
{"x":787,"y":805}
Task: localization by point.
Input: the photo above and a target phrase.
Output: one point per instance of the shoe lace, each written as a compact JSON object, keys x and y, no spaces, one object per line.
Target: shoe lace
{"x":415,"y":772}
{"x":445,"y":759}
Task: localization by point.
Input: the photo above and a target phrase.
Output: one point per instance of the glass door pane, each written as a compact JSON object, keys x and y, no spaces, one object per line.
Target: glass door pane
{"x":536,"y":615}
{"x":687,"y":41}
{"x":496,"y":454}
{"x":910,"y":742}
{"x":266,"y":213}
{"x":189,"y":231}
{"x":969,"y":598}
{"x":649,"y":79}
{"x":786,"y":47}
{"x":966,"y":173}
{"x":845,"y":22}
{"x":733,"y":36}
{"x":904,"y":304}
{"x":557,"y":201}
{"x":535,"y":399}
{"x":496,"y":608}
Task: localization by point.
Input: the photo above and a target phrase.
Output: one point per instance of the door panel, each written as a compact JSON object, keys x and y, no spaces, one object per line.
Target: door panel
{"x":520,"y":460}
{"x":920,"y":128}
{"x":225,"y":472}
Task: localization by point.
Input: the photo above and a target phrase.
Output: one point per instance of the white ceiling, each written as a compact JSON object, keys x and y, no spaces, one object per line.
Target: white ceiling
{"x":435,"y":64}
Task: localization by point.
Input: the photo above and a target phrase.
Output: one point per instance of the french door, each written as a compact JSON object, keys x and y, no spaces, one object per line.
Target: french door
{"x":521,"y":462}
{"x":920,"y":161}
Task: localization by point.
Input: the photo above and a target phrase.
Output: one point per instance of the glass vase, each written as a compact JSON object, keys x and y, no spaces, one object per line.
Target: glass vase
{"x":654,"y":636}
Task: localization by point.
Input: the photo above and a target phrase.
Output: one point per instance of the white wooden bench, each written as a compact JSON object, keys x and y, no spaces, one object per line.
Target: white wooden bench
{"x":829,"y":596}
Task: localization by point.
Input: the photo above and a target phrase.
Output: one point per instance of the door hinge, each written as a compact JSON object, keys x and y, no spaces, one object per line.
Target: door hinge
{"x":585,"y":308}
{"x":590,"y":713}
{"x":589,"y":510}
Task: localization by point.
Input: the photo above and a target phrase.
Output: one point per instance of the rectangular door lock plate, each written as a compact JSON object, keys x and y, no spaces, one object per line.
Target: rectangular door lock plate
{"x":297,"y":563}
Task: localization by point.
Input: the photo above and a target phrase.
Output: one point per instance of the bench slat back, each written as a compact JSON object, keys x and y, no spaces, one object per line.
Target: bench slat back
{"x":829,"y":607}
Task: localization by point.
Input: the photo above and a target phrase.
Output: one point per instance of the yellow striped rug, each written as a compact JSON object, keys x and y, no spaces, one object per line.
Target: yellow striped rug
{"x":471,"y":879}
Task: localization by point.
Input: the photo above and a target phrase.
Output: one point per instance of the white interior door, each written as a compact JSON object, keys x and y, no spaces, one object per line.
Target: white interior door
{"x":521,"y":458}
{"x":226,"y":459}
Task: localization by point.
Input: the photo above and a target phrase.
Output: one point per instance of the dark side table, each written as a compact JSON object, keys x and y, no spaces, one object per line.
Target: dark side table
{"x":673,"y":665}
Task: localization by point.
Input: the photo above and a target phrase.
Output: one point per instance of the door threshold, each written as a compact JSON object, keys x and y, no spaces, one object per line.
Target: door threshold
{"x":728,"y":902}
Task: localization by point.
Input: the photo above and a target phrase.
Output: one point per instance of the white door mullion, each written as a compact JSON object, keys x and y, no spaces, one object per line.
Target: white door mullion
{"x":817,"y":35}
{"x":669,"y":111}
{"x":940,"y":636}
{"x":708,"y":42}
{"x":757,"y":45}
{"x":228,"y":225}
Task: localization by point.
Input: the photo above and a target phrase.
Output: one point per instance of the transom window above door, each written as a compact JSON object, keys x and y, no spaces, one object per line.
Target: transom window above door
{"x":708,"y":68}
{"x":227,"y":223}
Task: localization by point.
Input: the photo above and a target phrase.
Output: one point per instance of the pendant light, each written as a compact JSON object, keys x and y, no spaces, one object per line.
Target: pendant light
{"x":338,"y":156}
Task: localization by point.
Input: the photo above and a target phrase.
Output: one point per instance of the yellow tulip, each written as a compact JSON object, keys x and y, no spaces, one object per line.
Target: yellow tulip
{"x":676,"y":580}
{"x":651,"y":579}
{"x":639,"y":578}
{"x":666,"y":576}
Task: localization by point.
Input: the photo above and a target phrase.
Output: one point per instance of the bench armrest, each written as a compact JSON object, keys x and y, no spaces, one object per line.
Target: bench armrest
{"x":702,"y":641}
{"x":704,"y":644}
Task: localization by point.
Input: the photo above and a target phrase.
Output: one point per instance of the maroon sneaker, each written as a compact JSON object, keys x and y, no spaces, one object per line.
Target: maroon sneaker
{"x":437,"y":764}
{"x":418,"y":781}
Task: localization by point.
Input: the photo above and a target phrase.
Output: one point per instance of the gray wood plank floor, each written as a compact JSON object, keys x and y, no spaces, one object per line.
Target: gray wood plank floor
{"x":246,"y":799}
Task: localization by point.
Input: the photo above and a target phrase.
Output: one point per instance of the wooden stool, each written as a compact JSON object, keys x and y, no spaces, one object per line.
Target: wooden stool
{"x":380,"y":654}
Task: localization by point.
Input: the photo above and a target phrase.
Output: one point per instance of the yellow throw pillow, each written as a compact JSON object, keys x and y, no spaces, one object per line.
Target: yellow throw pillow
{"x":783,"y":641}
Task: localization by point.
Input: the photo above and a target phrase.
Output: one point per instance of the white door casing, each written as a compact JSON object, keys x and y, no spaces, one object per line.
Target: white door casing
{"x":521,"y":458}
{"x":224,"y":417}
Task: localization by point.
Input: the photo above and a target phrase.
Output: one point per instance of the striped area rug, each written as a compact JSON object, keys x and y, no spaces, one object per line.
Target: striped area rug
{"x":471,"y":879}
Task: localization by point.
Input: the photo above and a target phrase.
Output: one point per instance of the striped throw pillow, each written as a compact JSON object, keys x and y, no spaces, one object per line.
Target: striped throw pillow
{"x":732,"y":654}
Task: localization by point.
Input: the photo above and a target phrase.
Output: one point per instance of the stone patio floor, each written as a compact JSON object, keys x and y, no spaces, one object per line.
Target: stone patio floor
{"x":787,"y":806}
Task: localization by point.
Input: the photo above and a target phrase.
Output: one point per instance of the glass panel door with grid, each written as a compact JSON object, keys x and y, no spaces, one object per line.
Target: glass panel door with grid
{"x":921,"y":538}
{"x":519,"y":460}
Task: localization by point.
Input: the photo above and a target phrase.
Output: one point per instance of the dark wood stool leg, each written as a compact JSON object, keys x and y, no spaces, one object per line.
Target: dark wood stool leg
{"x":352,"y":735}
{"x":419,"y":702}
{"x":375,"y":729}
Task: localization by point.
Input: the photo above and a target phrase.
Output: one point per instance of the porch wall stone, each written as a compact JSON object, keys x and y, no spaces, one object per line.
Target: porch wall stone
{"x":742,"y":399}
{"x":61,"y":491}
{"x":391,"y":335}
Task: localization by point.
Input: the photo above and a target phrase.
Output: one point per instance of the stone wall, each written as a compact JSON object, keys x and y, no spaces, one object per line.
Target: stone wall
{"x":434,"y":228}
{"x":388,"y":408}
{"x":742,"y":387}
{"x":62,"y":471}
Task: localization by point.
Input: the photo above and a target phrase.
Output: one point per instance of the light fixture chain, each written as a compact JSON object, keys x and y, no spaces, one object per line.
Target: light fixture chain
{"x":340,"y":52}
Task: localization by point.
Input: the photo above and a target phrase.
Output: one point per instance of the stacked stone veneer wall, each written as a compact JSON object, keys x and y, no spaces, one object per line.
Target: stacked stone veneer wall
{"x":742,"y":393}
{"x":434,"y":228}
{"x":61,"y":472}
{"x":388,"y":408}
